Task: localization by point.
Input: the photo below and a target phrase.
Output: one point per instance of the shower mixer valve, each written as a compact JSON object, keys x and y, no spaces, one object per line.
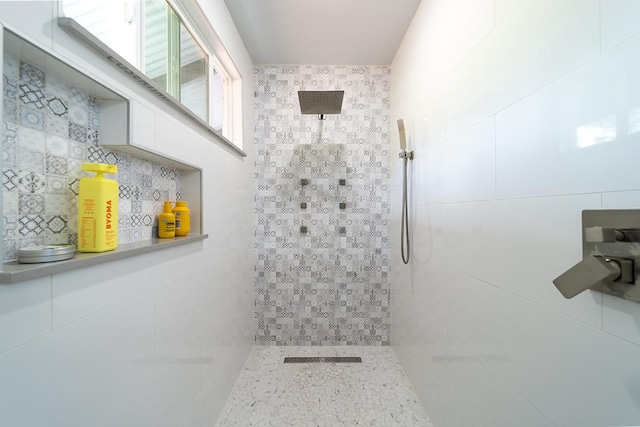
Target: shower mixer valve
{"x":610,"y":250}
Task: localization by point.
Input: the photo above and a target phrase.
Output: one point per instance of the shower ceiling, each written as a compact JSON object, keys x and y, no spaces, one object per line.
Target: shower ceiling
{"x":328,"y":32}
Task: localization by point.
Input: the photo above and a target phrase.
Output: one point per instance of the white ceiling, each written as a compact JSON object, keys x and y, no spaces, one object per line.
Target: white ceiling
{"x":322,"y":32}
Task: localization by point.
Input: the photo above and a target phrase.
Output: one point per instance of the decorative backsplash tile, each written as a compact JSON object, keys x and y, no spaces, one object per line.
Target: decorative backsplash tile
{"x":50,"y":128}
{"x":325,"y":284}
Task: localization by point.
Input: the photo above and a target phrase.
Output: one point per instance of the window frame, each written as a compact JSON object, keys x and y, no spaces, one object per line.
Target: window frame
{"x":232,"y":127}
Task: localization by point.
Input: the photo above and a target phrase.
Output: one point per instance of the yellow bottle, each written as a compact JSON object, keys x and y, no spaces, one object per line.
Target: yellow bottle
{"x":166,"y":222}
{"x":183,"y":218}
{"x":98,"y":210}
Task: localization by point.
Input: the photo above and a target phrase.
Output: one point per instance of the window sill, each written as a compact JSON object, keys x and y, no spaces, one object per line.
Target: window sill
{"x":72,"y":27}
{"x":13,"y":272}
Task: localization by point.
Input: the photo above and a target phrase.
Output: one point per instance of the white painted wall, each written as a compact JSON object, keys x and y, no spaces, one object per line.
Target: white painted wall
{"x":156,"y":339}
{"x":496,"y":96}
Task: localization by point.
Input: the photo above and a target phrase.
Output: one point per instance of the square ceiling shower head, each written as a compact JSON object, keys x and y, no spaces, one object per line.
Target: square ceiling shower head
{"x":320,"y":101}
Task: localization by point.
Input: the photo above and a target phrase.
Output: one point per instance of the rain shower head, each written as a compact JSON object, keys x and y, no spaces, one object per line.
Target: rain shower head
{"x":320,"y":102}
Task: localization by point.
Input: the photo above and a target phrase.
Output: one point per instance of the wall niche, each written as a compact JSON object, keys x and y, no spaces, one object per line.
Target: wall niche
{"x":54,"y":119}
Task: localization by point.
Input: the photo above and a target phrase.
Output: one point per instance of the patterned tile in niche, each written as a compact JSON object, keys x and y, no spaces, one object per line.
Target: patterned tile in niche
{"x":31,"y":225}
{"x":57,"y":125}
{"x":125,"y":192}
{"x":9,"y":179}
{"x":78,"y":97}
{"x":56,"y":204}
{"x":31,"y":182}
{"x":94,"y":121}
{"x":56,"y":223}
{"x":96,"y":155}
{"x":56,"y":184}
{"x":9,"y":111}
{"x":56,"y":88}
{"x":57,"y":107}
{"x":10,"y":226}
{"x":78,"y":115}
{"x":56,"y":145}
{"x":93,"y":138}
{"x":32,"y":118}
{"x":10,"y":247}
{"x":30,"y":204}
{"x":32,"y":96}
{"x":94,"y":105}
{"x":32,"y":75}
{"x":147,"y":220}
{"x":77,"y":150}
{"x":9,"y":156}
{"x":10,"y":204}
{"x":10,"y":87}
{"x":77,"y":132}
{"x":111,"y":158}
{"x":10,"y":133}
{"x":74,"y":186}
{"x":56,"y":165}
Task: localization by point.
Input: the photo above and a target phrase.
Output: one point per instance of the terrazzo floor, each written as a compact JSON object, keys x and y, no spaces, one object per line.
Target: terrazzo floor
{"x":375,"y":392}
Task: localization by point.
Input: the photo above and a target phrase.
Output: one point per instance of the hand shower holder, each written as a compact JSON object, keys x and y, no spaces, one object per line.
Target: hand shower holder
{"x":404,"y":154}
{"x":611,"y":256}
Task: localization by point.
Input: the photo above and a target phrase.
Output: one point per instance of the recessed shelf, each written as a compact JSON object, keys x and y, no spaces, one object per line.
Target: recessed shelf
{"x":13,"y":272}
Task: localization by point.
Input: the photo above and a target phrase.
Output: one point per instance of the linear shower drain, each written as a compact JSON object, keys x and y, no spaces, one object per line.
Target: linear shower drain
{"x":322,"y":360}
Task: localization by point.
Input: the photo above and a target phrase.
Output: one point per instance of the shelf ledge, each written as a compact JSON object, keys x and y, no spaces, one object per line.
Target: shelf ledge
{"x":13,"y":272}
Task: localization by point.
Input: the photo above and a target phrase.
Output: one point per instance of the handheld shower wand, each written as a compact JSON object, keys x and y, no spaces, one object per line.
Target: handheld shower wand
{"x":404,"y":231}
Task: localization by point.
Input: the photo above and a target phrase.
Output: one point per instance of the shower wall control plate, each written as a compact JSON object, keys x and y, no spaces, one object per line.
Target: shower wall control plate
{"x":615,"y":235}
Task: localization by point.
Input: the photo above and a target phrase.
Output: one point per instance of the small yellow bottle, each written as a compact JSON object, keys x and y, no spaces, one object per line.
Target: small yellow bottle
{"x":183,"y":218}
{"x":166,"y":222}
{"x":98,"y":210}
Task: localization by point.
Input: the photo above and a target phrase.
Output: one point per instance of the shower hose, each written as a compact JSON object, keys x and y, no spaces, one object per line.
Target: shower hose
{"x":404,"y":232}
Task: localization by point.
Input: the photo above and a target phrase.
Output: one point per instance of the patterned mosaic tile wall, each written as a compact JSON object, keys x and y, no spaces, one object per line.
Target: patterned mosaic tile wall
{"x":50,"y":128}
{"x":328,"y":285}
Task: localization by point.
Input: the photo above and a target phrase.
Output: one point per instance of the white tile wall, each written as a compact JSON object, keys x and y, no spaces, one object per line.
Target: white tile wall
{"x":484,"y":335}
{"x":129,"y":342}
{"x":25,"y":312}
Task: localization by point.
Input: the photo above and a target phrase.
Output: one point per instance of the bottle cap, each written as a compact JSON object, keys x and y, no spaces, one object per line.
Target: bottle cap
{"x":181,"y":204}
{"x":45,"y":253}
{"x":99,"y":168}
{"x":167,"y":207}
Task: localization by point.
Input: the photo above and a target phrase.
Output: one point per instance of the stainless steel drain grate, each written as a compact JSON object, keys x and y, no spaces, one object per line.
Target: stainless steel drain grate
{"x":322,"y":360}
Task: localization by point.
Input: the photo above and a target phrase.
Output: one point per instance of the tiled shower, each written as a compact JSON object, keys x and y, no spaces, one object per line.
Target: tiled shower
{"x":326,"y":283}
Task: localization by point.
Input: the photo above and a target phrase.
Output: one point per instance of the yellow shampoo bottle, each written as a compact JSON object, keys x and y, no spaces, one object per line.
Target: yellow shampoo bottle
{"x":183,"y":218}
{"x":166,"y":222}
{"x":98,"y":210}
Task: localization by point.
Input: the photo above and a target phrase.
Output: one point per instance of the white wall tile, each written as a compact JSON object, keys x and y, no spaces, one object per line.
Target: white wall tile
{"x":418,"y":76}
{"x":621,"y":318}
{"x":468,"y":164}
{"x":486,"y":399}
{"x":503,"y":7}
{"x":39,"y":26}
{"x":25,"y":312}
{"x":427,"y":226}
{"x":522,"y":245}
{"x":165,"y":398}
{"x":564,"y":138}
{"x":535,"y":44}
{"x":619,"y":21}
{"x":80,"y":292}
{"x":471,"y":313}
{"x":621,"y":200}
{"x":76,"y":375}
{"x":177,"y":314}
{"x":565,"y":368}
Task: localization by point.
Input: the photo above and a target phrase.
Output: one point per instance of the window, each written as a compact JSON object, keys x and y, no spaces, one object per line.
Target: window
{"x":166,"y":50}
